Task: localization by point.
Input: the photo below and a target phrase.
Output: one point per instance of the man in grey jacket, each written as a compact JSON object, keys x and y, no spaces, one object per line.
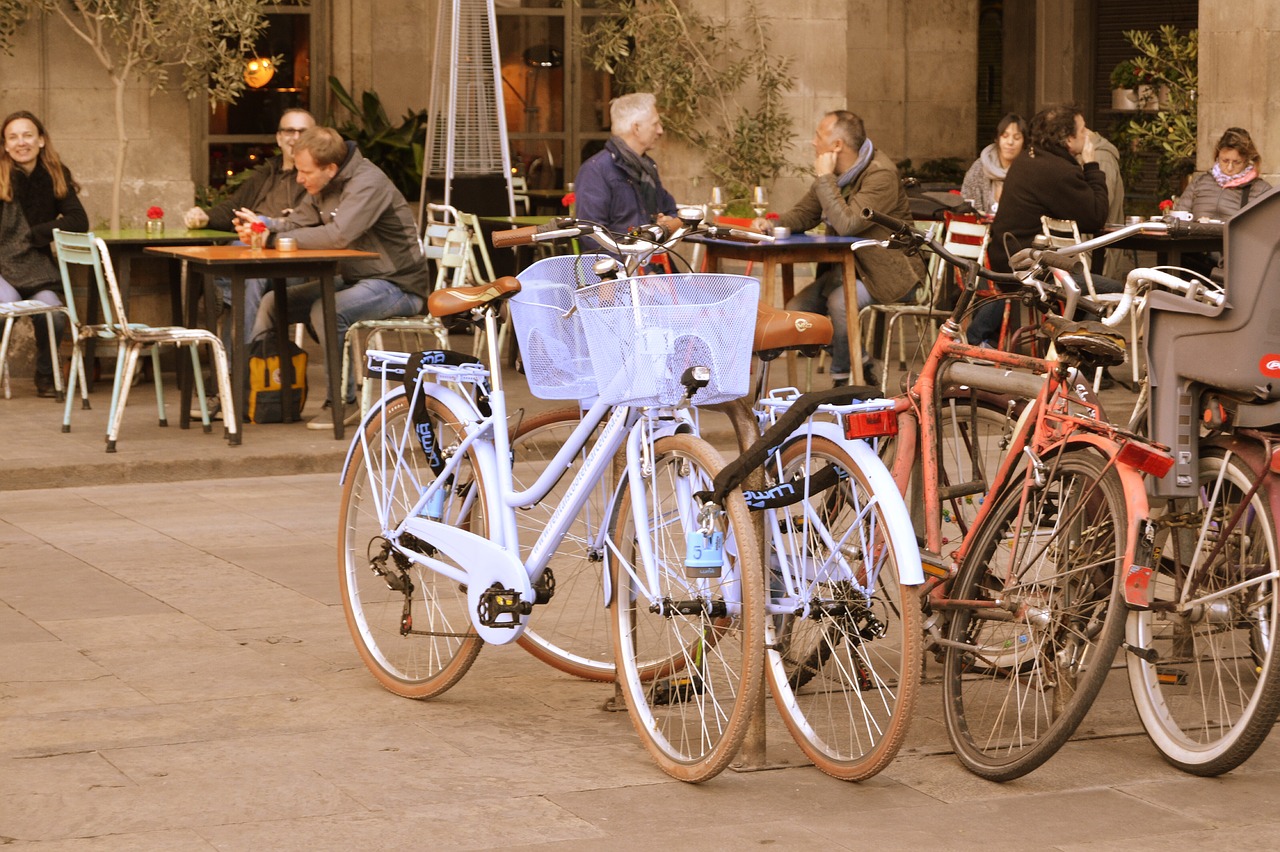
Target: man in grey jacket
{"x":350,"y":203}
{"x":850,"y":175}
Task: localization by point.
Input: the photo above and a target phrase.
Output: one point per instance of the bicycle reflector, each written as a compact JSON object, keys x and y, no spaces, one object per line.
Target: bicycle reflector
{"x":1148,"y":459}
{"x":1274,"y":464}
{"x":871,"y":424}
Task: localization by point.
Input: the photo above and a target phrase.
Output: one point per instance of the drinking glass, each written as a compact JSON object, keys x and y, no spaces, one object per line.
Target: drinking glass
{"x":759,"y":200}
{"x":717,"y":205}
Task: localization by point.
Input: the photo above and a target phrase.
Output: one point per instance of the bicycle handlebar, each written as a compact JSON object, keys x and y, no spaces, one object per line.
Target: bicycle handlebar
{"x":636,"y":245}
{"x":1181,"y":228}
{"x":556,"y":229}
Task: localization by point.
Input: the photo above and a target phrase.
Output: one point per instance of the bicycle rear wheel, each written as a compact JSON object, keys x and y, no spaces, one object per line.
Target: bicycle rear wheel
{"x":411,"y":625}
{"x":1211,"y":696}
{"x":688,"y":649}
{"x":571,"y":631}
{"x":845,"y":669}
{"x":1026,"y":661}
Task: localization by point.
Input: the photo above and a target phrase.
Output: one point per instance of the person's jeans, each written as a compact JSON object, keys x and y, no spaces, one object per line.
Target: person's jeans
{"x":44,"y":364}
{"x":369,"y":298}
{"x":987,"y":319}
{"x":826,"y":296}
{"x":254,"y":288}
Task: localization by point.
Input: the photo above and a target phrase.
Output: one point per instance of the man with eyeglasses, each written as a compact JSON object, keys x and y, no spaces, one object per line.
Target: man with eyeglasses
{"x":272,"y":189}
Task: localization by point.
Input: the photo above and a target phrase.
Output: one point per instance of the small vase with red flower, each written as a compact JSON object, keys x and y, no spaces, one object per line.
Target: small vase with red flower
{"x":154,"y":225}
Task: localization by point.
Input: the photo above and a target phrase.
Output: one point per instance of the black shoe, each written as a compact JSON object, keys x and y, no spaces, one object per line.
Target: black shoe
{"x":45,"y":388}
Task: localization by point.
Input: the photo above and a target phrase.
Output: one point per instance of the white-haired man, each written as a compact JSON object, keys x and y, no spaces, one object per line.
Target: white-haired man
{"x":619,"y":187}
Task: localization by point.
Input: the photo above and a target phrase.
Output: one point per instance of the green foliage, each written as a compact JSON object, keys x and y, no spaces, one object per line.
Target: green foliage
{"x":13,"y":14}
{"x":718,"y":82}
{"x":1169,"y":63}
{"x":207,"y":40}
{"x":395,"y":148}
{"x":144,"y":39}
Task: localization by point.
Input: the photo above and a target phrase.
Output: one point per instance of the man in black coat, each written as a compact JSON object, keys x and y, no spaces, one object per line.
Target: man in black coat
{"x":1045,"y":180}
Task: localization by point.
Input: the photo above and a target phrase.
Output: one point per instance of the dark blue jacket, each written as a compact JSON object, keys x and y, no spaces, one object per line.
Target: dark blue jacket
{"x":603,"y":193}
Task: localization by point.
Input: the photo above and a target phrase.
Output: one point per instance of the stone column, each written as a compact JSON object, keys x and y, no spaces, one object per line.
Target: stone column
{"x":1064,"y":51}
{"x":1240,"y":76}
{"x":912,"y":70}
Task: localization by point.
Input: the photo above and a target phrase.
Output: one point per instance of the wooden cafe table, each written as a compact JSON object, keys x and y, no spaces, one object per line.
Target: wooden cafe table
{"x":782,"y":255}
{"x":239,"y":262}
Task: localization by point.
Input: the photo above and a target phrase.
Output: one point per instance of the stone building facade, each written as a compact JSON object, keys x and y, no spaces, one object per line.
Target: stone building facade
{"x":910,"y":68}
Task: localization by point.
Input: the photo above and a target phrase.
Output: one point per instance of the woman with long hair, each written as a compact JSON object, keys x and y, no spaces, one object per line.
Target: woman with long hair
{"x":37,"y":194}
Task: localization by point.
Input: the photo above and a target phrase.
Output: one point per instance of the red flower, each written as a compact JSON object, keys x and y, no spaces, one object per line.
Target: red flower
{"x":771,"y":215}
{"x":569,"y":199}
{"x":155,"y":213}
{"x":1166,"y":205}
{"x":258,"y":228}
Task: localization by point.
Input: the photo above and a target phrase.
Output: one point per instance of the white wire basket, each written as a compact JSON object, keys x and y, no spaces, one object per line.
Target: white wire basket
{"x":644,"y":332}
{"x":557,"y":363}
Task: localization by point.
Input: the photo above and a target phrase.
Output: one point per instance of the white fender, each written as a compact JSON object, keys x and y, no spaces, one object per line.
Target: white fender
{"x":902,"y":534}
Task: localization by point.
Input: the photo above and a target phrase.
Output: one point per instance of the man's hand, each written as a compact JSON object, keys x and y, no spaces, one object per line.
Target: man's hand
{"x":195,"y":218}
{"x":670,"y":223}
{"x":825,"y":164}
{"x":1088,"y":153}
{"x":243,"y":222}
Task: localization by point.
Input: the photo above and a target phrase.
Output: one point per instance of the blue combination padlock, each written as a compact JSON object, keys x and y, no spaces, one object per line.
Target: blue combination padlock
{"x":704,"y":555}
{"x":435,"y":505}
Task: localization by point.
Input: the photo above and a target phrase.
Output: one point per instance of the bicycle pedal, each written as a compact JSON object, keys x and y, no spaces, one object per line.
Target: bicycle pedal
{"x":676,"y":690}
{"x":497,"y":603}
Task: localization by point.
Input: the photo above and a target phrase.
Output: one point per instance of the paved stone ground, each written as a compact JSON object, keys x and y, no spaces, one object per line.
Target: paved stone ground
{"x":177,"y":674}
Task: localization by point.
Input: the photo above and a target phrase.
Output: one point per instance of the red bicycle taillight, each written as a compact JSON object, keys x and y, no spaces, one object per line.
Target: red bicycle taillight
{"x":1145,"y":458}
{"x":871,"y":424}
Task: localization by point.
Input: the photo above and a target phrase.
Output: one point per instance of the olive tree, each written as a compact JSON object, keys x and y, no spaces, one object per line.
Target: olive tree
{"x":206,"y":41}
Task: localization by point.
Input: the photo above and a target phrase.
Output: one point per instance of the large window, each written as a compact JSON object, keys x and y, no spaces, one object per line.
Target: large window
{"x":281,"y":75}
{"x":557,"y":105}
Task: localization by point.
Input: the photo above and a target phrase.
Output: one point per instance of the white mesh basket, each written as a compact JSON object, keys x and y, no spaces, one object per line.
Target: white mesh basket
{"x":645,"y":332}
{"x":557,"y":364}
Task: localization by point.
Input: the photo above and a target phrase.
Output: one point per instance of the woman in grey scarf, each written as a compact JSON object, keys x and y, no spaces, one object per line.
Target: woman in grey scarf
{"x":985,"y":178}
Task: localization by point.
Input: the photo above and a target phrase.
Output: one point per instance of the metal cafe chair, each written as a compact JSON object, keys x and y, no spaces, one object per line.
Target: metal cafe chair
{"x":11,"y":312}
{"x":132,"y":339}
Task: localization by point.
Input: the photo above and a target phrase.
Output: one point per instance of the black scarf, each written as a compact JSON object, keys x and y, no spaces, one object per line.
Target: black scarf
{"x":642,"y":172}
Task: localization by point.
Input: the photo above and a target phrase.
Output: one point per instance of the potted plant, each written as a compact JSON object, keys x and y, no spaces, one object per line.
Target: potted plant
{"x":1131,"y":89}
{"x":1164,"y":134}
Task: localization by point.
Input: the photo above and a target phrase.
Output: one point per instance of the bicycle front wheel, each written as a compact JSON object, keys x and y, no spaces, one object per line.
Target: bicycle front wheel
{"x":571,"y":631}
{"x":843,"y":636}
{"x":411,"y":625}
{"x":688,"y":648}
{"x":1211,"y":695}
{"x":1038,"y":617}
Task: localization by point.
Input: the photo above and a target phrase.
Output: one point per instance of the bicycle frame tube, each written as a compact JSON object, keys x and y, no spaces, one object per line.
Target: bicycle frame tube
{"x":917,"y":419}
{"x":620,"y":424}
{"x":562,"y":460}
